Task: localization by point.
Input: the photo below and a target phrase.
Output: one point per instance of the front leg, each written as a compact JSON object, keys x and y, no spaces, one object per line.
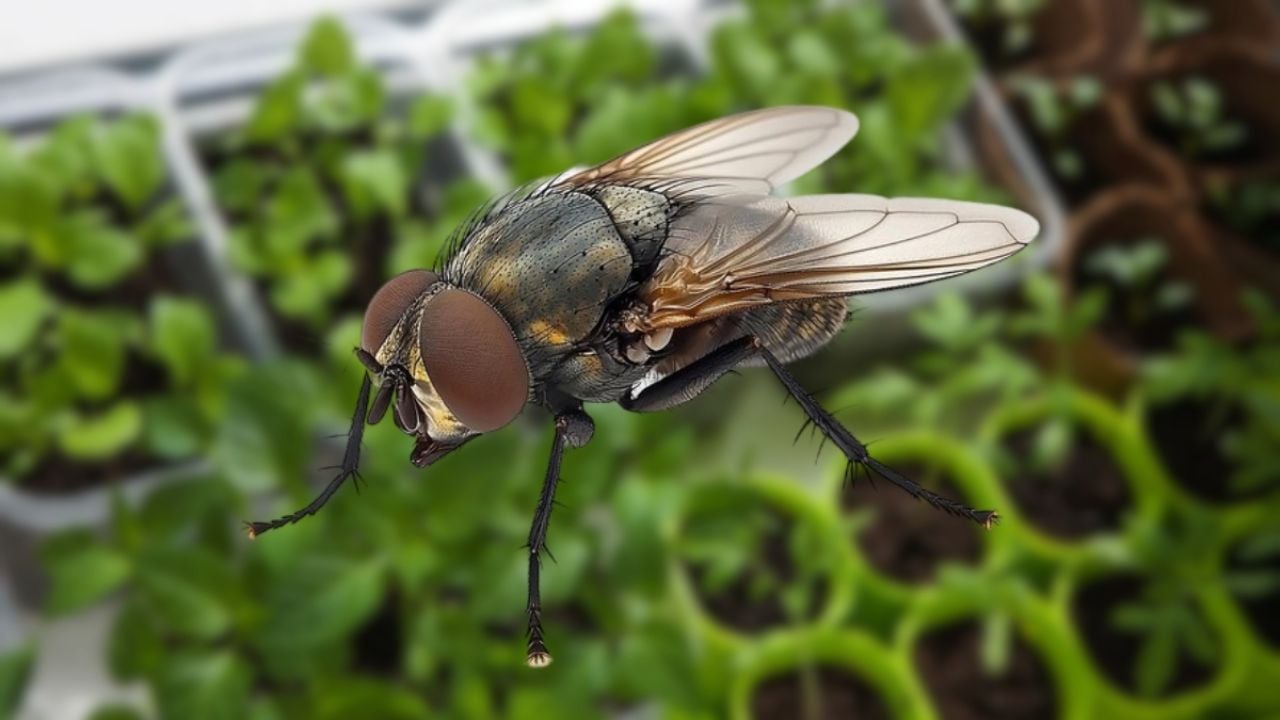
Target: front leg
{"x":574,"y":429}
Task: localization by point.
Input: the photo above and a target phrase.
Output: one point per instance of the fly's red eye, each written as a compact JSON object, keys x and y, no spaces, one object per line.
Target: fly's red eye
{"x":388,"y":306}
{"x":473,"y":360}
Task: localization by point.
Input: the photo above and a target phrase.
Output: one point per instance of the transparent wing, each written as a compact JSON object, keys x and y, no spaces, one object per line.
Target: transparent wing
{"x":751,"y":152}
{"x":738,"y":252}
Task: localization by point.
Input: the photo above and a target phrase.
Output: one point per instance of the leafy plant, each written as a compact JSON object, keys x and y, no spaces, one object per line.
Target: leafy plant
{"x":1164,"y":20}
{"x":1226,"y":379}
{"x":83,"y":218}
{"x":319,"y":183}
{"x":1054,"y":107}
{"x":84,"y":203}
{"x":1137,"y":271}
{"x":850,"y":56}
{"x":1193,"y":110}
{"x":1166,"y":613}
{"x":1015,"y":18}
{"x":559,"y":100}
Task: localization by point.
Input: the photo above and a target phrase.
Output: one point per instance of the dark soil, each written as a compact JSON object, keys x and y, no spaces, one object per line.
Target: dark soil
{"x":1085,"y":494}
{"x":822,"y":693}
{"x":987,"y":35}
{"x":734,"y":605}
{"x":60,"y":475}
{"x":1116,"y":652}
{"x":1260,"y":609}
{"x":950,"y":662}
{"x":378,"y":646}
{"x":908,"y":539}
{"x":1187,"y":435}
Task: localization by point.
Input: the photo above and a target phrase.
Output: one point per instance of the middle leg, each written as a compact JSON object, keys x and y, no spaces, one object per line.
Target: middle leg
{"x":574,"y":429}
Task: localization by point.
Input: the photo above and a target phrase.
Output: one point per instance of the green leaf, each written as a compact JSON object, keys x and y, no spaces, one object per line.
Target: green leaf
{"x":327,"y":49}
{"x":83,"y":574}
{"x":92,"y":351}
{"x":320,"y":600}
{"x":429,"y":116}
{"x":369,"y":698}
{"x":1156,"y":663}
{"x":374,"y":180}
{"x":203,"y":686}
{"x":188,"y":590}
{"x":127,"y":155}
{"x":278,"y":111}
{"x":173,"y":426}
{"x":116,"y":712}
{"x":265,"y":435}
{"x":104,"y":435}
{"x":15,"y":671}
{"x":25,"y":306}
{"x":929,"y":89}
{"x":183,"y":336}
{"x":135,"y":648}
{"x":99,"y":254}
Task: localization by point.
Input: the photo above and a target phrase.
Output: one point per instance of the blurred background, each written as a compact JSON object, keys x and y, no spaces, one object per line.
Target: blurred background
{"x":195,"y":207}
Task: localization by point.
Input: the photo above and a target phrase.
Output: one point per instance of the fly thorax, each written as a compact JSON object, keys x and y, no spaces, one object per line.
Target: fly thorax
{"x":641,"y":217}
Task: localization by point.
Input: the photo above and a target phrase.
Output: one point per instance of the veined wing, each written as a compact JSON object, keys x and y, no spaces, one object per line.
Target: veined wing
{"x":751,"y":152}
{"x":733,"y":253}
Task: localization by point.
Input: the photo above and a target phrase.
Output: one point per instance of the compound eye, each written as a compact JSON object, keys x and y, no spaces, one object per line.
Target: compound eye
{"x":473,"y":360}
{"x":389,"y":304}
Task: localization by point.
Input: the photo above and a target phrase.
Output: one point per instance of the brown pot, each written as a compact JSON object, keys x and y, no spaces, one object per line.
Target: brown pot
{"x":1124,"y":214}
{"x":1117,"y":152}
{"x":1247,"y":76}
{"x":1096,"y":37}
{"x":1253,"y":22}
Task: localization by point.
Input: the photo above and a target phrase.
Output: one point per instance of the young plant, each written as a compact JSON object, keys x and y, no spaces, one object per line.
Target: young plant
{"x":1237,"y":399}
{"x":1165,"y":20}
{"x":558,"y":100}
{"x":1166,"y":614}
{"x":1194,"y":113}
{"x":1054,"y":108}
{"x":850,"y":55}
{"x":1014,"y":17}
{"x":318,"y":185}
{"x":1141,"y":296}
{"x":97,"y":382}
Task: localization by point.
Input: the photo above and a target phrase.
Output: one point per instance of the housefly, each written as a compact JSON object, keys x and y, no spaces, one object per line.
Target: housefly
{"x":641,"y":282}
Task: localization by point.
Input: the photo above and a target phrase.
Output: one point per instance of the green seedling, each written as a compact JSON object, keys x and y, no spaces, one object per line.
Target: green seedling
{"x":1231,"y":380}
{"x":1166,"y":614}
{"x":1138,"y":270}
{"x":1164,"y":20}
{"x":1016,"y":17}
{"x":1194,"y":111}
{"x":319,"y":182}
{"x":1054,"y":108}
{"x":82,"y":218}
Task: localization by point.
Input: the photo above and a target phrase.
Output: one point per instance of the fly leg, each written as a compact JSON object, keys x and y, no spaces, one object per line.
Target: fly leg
{"x":574,"y":429}
{"x":350,"y":465}
{"x":857,"y":453}
{"x":692,"y":379}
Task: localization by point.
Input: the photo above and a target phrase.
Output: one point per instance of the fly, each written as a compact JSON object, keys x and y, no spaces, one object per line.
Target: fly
{"x":642,"y":281}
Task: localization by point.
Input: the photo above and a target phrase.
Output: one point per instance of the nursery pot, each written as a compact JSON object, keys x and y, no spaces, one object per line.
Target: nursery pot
{"x":825,"y":674}
{"x":1129,"y":214}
